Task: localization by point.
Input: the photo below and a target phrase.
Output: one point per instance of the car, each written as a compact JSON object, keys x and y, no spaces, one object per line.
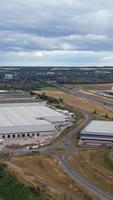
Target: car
{"x":32,"y":147}
{"x":66,"y":144}
{"x":51,"y":153}
{"x":29,"y":147}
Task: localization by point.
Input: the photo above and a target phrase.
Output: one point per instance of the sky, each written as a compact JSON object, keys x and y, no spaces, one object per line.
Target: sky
{"x":56,"y":33}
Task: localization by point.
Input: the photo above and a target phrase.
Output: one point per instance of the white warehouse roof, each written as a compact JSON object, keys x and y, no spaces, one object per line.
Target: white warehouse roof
{"x":98,"y":127}
{"x":28,"y":117}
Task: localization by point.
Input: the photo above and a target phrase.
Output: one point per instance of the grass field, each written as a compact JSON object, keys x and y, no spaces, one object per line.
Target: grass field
{"x":12,"y":189}
{"x":87,"y":87}
{"x":49,"y":88}
{"x":54,"y":177}
{"x":79,"y":102}
{"x":95,"y":166}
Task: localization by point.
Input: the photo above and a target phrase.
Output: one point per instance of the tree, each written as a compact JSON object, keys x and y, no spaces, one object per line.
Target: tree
{"x":106,"y":115}
{"x":94,"y":112}
{"x":61,"y":100}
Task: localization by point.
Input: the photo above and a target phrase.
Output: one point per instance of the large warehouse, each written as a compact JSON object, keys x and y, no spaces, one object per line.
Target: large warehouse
{"x":28,"y":119}
{"x":98,"y":131}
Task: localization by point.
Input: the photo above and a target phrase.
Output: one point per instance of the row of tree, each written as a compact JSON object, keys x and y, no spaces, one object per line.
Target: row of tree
{"x":49,"y":99}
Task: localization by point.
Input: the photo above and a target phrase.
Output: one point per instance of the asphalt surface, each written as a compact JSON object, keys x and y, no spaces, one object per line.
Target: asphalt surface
{"x":63,"y":158}
{"x":111,"y":156}
{"x":100,"y":101}
{"x":77,"y":177}
{"x":97,"y":100}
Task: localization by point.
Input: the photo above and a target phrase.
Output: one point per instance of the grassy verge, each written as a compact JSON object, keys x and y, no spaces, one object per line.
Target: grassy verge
{"x":59,"y":150}
{"x":95,"y":166}
{"x":48,"y":169}
{"x":64,"y":133}
{"x":69,"y":129}
{"x":107,"y":162}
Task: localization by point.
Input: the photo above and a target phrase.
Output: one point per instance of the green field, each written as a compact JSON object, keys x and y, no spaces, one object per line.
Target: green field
{"x":12,"y":189}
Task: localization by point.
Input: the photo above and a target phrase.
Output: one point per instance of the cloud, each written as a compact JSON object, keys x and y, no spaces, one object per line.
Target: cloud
{"x":108,"y":58}
{"x":36,"y":27}
{"x":29,"y":42}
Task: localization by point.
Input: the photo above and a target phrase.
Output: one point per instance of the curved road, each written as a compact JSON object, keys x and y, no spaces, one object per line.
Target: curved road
{"x":77,"y":177}
{"x":63,"y":160}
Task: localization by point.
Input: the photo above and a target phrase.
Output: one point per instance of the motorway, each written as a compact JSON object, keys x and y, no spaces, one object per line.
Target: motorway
{"x":63,"y":158}
{"x":105,"y":103}
{"x":97,"y":100}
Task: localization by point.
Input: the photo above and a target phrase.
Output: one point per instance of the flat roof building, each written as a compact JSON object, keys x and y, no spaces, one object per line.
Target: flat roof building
{"x":98,"y":131}
{"x":27,"y":119}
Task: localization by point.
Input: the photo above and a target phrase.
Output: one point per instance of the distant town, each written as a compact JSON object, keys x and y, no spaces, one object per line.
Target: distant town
{"x":57,"y":122}
{"x":29,"y":78}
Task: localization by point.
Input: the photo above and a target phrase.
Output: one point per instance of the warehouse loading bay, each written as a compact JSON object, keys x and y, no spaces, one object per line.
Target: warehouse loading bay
{"x":97,"y":133}
{"x":31,"y":123}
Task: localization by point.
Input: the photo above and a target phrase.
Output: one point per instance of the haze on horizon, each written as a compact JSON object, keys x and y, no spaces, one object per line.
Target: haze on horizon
{"x":54,"y":33}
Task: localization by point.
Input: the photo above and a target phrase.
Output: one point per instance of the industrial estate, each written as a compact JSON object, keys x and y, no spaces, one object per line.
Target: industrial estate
{"x":56,"y":100}
{"x":98,"y":133}
{"x":54,"y":130}
{"x":30,"y":120}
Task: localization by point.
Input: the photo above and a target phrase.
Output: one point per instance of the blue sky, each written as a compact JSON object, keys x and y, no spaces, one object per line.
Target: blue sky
{"x":56,"y":32}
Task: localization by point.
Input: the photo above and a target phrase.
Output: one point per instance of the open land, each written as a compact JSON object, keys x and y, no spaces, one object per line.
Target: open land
{"x":80,"y":102}
{"x":102,"y":86}
{"x":96,"y":166}
{"x":42,"y":171}
{"x":54,"y":177}
{"x":14,"y":187}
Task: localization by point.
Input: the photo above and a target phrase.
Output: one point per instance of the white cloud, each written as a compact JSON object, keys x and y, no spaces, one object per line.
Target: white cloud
{"x":108,"y":58}
{"x":60,"y":27}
